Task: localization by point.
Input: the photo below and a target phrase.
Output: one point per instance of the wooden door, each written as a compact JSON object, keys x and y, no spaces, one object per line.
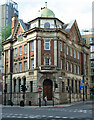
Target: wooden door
{"x":47,"y":89}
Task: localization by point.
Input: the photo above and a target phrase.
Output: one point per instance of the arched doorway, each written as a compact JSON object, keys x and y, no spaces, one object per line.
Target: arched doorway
{"x":47,"y":89}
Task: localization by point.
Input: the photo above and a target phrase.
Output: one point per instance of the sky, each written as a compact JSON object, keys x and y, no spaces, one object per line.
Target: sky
{"x":65,"y":10}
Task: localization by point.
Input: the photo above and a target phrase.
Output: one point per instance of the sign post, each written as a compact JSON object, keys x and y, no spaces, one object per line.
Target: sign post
{"x":39,"y":90}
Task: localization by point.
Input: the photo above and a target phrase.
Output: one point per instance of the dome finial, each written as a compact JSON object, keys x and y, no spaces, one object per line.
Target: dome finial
{"x":45,"y":4}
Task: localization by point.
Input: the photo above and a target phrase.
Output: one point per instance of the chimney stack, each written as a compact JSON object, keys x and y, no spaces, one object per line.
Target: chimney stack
{"x":14,"y":21}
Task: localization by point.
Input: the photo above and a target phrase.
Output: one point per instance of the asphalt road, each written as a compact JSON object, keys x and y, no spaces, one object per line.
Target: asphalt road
{"x":75,"y":112}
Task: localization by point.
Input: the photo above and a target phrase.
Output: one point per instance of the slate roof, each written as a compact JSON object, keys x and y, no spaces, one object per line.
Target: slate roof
{"x":23,"y":25}
{"x":67,"y":29}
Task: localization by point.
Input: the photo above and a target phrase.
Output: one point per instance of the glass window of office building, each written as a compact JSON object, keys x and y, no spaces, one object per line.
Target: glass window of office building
{"x":92,"y":55}
{"x":92,"y":48}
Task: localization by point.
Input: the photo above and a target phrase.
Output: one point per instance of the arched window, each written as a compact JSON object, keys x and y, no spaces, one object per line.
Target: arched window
{"x":47,"y":25}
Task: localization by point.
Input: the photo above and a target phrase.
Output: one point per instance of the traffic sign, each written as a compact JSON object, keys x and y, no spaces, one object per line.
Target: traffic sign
{"x":81,"y":87}
{"x":39,"y":90}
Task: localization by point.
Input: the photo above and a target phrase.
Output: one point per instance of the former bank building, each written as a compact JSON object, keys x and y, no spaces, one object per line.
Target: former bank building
{"x":48,"y":53}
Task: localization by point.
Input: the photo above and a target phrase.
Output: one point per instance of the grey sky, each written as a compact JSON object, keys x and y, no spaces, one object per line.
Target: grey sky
{"x":65,"y":10}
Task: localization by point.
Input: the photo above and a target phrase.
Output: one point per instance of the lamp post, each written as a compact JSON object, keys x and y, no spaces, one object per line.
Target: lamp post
{"x":5,"y":87}
{"x":83,"y":88}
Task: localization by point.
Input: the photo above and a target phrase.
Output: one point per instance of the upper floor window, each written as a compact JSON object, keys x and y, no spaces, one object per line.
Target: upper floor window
{"x":78,"y":70}
{"x":92,"y":48}
{"x":15,"y":67}
{"x":74,"y":53}
{"x":91,"y":39}
{"x":20,"y":50}
{"x":25,"y":65}
{"x":32,"y":45}
{"x":32,"y":64}
{"x":20,"y":67}
{"x":47,"y":44}
{"x":47,"y":25}
{"x":92,"y":63}
{"x":61,"y":64}
{"x":67,"y":50}
{"x":47,"y":61}
{"x":70,"y":51}
{"x":15,"y":52}
{"x":84,"y":58}
{"x":67,"y":66}
{"x":74,"y":68}
{"x":77,"y":55}
{"x":71,"y":67}
{"x":92,"y":55}
{"x":25,"y":49}
{"x":60,"y":46}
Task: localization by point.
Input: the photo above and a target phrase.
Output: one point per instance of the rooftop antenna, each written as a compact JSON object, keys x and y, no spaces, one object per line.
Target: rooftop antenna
{"x":46,"y":4}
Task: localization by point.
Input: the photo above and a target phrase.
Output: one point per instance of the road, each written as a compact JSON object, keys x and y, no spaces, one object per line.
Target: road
{"x":74,"y":112}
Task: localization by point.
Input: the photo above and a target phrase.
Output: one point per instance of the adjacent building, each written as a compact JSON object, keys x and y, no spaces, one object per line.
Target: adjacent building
{"x":88,"y":38}
{"x":45,"y":53}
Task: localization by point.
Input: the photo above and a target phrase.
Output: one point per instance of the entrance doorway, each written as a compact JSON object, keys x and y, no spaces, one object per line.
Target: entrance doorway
{"x":47,"y":89}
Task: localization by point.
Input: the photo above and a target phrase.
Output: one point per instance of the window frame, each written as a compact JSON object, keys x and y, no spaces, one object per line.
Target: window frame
{"x":15,"y":52}
{"x":25,"y":66}
{"x":15,"y":67}
{"x":25,"y":49}
{"x":20,"y":50}
{"x":20,"y":67}
{"x":45,"y":44}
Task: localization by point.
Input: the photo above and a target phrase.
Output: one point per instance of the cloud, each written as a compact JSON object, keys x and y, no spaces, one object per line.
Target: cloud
{"x":65,"y":10}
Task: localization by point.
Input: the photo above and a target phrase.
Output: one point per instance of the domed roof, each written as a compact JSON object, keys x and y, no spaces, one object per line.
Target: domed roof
{"x":45,"y":12}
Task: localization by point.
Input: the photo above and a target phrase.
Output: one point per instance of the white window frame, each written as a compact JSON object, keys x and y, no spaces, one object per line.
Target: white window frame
{"x":74,"y":53}
{"x":71,"y":67}
{"x":49,"y":63}
{"x":75,"y":69}
{"x":25,"y":65}
{"x":20,"y":66}
{"x":15,"y":52}
{"x":60,"y":46}
{"x":15,"y":68}
{"x":78,"y":55}
{"x":20,"y":50}
{"x":70,"y":51}
{"x":45,"y":44}
{"x":67,"y":50}
{"x":78,"y":69}
{"x":67,"y":66}
{"x":25,"y":49}
{"x":61,"y":64}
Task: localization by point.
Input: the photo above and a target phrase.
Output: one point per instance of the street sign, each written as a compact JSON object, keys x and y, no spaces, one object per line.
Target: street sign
{"x":39,"y":90}
{"x":81,"y":87}
{"x":82,"y":81}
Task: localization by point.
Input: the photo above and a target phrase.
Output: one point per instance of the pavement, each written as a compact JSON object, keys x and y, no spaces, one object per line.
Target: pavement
{"x":57,"y":106}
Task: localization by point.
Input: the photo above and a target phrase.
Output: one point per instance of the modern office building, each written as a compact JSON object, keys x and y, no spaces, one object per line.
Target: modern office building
{"x":45,"y":55}
{"x":88,"y":38}
{"x":7,"y":10}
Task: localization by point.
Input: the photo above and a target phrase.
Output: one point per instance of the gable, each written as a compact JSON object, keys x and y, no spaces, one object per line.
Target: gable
{"x":75,"y":33}
{"x":19,"y":28}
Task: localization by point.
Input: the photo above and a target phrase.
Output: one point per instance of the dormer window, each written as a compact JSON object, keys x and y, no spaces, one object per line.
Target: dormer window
{"x":47,"y":25}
